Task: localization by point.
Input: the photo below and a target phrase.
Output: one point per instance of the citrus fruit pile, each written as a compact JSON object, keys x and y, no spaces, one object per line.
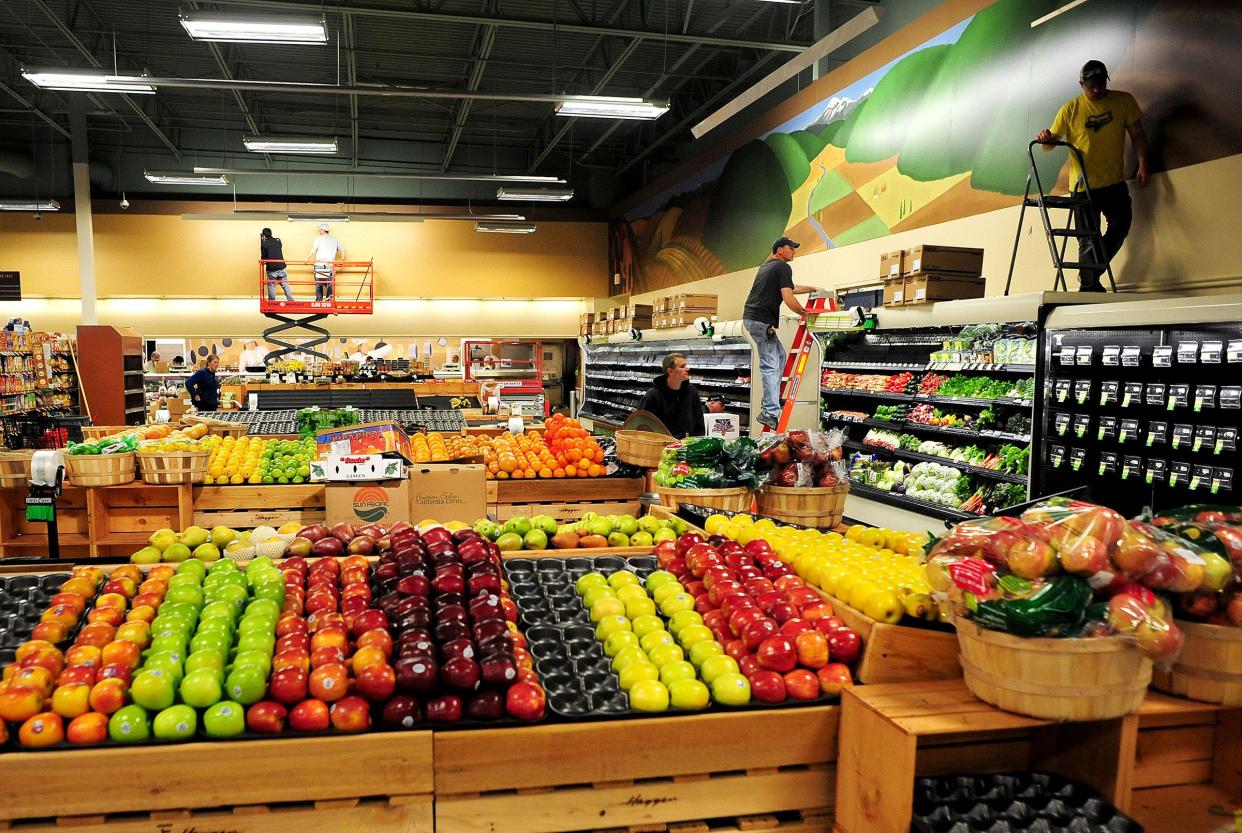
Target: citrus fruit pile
{"x":429,"y":448}
{"x":254,"y":460}
{"x":564,"y":449}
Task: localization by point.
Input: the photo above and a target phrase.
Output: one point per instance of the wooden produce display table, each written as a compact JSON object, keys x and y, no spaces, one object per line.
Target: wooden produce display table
{"x":564,"y":500}
{"x":896,"y":653}
{"x":1165,"y":765}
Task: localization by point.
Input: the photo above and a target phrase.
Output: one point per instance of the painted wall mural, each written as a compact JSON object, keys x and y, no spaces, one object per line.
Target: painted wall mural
{"x":941,"y":133}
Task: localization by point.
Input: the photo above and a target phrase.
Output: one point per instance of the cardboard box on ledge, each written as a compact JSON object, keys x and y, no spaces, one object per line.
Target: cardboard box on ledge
{"x":385,"y":502}
{"x":448,"y":492}
{"x":370,"y":438}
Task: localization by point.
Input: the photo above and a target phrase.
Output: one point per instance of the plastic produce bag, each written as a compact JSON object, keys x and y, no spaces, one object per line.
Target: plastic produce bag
{"x":1052,"y":607}
{"x":739,"y":458}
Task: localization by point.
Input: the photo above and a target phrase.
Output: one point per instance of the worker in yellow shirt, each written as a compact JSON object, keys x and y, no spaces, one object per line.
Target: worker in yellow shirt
{"x":1097,"y":123}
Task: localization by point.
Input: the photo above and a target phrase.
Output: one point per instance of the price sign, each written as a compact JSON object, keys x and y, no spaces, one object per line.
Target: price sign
{"x":1056,"y":456}
{"x":1231,"y":397}
{"x":1162,"y":356}
{"x":1233,"y":351}
{"x":1066,"y":356}
{"x":1062,"y":389}
{"x":1082,"y":390}
{"x":1133,"y":392}
{"x":1083,"y":355}
{"x":1205,"y":438}
{"x":1061,"y":423}
{"x":1226,"y":440}
{"x":1157,"y":470}
{"x":1210,"y":351}
{"x":1128,"y":430}
{"x":1155,"y":394}
{"x":1183,"y":435}
{"x":1108,"y":428}
{"x":1200,"y":476}
{"x":1179,"y":396}
{"x":1222,"y":480}
{"x":1187,"y":352}
{"x":1131,"y":466}
{"x":1108,"y":462}
{"x":1111,"y":356}
{"x":1082,"y":423}
{"x":1131,"y":356}
{"x":1205,"y":397}
{"x":1078,"y":456}
{"x":1179,"y":473}
{"x":1108,"y":393}
{"x":1157,"y":433}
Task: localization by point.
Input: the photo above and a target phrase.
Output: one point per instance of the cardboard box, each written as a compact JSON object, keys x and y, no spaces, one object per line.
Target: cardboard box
{"x":369,"y":438}
{"x":448,"y":492}
{"x":892,"y":264}
{"x":358,"y":467}
{"x":894,"y":291}
{"x":921,"y":289}
{"x":954,"y":260}
{"x":385,"y":502}
{"x":686,"y":302}
{"x":627,"y":324}
{"x":638,"y":311}
{"x":686,"y":318}
{"x":663,"y":304}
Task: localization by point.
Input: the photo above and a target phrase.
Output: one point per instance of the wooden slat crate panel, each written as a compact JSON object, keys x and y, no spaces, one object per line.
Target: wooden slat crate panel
{"x":140,"y":778}
{"x":636,"y":805}
{"x":243,"y":507}
{"x":1175,"y":755}
{"x":552,"y":491}
{"x":556,"y":755}
{"x":563,"y":512}
{"x":897,"y":653}
{"x":71,"y":515}
{"x":403,"y":814}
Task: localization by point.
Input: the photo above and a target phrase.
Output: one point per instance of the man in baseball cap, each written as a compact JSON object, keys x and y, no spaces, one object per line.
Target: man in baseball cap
{"x":323,"y":254}
{"x":773,"y":285}
{"x":1097,"y":123}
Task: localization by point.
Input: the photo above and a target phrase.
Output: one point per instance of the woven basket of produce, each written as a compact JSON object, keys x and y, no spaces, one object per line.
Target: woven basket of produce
{"x":818,"y":507}
{"x":173,"y":468}
{"x":1095,"y":678}
{"x":641,"y":448}
{"x":15,"y":469}
{"x":737,"y":499}
{"x":100,"y":469}
{"x":1209,"y":668}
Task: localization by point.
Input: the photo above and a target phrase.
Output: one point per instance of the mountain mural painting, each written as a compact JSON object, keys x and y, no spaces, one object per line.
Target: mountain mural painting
{"x":941,"y":133}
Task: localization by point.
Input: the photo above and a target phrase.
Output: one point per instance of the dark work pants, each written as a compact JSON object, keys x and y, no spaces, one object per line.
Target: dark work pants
{"x":1113,"y":202}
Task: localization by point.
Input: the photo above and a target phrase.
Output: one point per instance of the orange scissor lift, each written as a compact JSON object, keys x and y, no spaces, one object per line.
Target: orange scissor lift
{"x":351,"y":291}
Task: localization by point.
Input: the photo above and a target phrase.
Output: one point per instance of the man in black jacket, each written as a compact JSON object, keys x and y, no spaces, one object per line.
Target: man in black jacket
{"x":273,"y":254}
{"x":674,"y":400}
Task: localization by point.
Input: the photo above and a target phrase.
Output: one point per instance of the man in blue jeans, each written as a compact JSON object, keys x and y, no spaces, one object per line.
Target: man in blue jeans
{"x":773,"y":285}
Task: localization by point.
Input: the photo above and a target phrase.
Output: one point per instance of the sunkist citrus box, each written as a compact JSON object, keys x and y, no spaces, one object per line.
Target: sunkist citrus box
{"x":369,"y":438}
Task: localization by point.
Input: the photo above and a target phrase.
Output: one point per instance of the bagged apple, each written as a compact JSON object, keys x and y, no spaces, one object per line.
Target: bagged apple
{"x":1136,"y":611}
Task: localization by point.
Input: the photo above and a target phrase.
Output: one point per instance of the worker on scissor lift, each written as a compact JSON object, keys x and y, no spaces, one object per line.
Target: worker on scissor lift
{"x":323,"y":254}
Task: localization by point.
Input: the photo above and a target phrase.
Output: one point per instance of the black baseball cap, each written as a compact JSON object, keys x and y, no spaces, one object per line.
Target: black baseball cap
{"x":784,"y":241}
{"x":1093,"y":71}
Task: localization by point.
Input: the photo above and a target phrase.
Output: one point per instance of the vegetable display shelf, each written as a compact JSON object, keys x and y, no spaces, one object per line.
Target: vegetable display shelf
{"x":917,"y":457}
{"x":932,"y":510}
{"x":1003,"y":436}
{"x":1165,"y":765}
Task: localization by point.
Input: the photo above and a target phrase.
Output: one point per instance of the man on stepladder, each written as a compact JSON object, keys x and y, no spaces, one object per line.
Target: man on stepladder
{"x":324,"y":255}
{"x":1097,"y":123}
{"x":773,"y":285}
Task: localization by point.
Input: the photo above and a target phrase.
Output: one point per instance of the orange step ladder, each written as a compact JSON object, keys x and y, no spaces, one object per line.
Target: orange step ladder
{"x":800,"y":353}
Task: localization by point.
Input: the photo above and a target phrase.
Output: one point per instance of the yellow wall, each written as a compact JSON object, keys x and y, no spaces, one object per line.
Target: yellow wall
{"x":163,"y":255}
{"x":1182,"y":240}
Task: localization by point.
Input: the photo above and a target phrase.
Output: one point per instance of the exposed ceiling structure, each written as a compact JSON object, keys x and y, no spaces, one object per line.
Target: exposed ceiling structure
{"x":487,"y":74}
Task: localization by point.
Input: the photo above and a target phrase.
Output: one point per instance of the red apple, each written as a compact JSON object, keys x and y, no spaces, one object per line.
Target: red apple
{"x":289,"y":685}
{"x":376,"y":682}
{"x":767,"y":687}
{"x":351,"y":714}
{"x":309,"y":716}
{"x":777,"y":653}
{"x":329,"y":682}
{"x":812,"y":647}
{"x":525,"y":701}
{"x":802,"y":684}
{"x":417,"y":674}
{"x":460,"y":673}
{"x":446,"y":709}
{"x":266,"y":717}
{"x":833,"y":677}
{"x":755,"y":633}
{"x":41,"y":730}
{"x":485,"y":705}
{"x":401,"y":711}
{"x":108,"y":695}
{"x":88,"y":728}
{"x":19,"y":703}
{"x":844,"y":646}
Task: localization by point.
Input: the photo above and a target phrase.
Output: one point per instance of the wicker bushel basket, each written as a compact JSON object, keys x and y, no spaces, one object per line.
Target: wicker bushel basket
{"x":100,"y":469}
{"x":1209,"y":668}
{"x":641,"y":448}
{"x":98,"y":432}
{"x":736,"y":499}
{"x":15,"y":469}
{"x":1057,"y":679}
{"x":173,"y":468}
{"x":822,"y":508}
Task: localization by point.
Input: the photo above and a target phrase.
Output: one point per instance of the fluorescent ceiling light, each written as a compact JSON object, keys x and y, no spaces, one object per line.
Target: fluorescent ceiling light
{"x":235,"y":27}
{"x":535,"y":194}
{"x":397,"y":173}
{"x":176,"y":178}
{"x":29,"y":205}
{"x":1057,"y":12}
{"x":86,"y":80}
{"x":290,"y":144}
{"x":505,"y":228}
{"x":610,"y":107}
{"x":315,"y":217}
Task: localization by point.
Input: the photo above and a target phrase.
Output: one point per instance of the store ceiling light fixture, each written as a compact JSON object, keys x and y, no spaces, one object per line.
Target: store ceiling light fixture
{"x":179,"y":178}
{"x":240,"y":27}
{"x":316,"y":217}
{"x":29,"y":205}
{"x":535,"y":194}
{"x":392,"y":173}
{"x":291,"y":144}
{"x":610,"y":107}
{"x":505,"y":228}
{"x":87,"y":81}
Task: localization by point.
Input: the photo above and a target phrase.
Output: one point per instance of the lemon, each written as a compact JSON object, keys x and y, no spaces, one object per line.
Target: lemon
{"x":208,"y":480}
{"x":714,"y":523}
{"x":743,"y":520}
{"x":236,"y":479}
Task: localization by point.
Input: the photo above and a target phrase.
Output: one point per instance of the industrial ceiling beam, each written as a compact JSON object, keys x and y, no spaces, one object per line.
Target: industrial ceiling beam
{"x":29,"y":106}
{"x":486,"y":40}
{"x":521,"y":23}
{"x":351,"y":77}
{"x":86,"y":53}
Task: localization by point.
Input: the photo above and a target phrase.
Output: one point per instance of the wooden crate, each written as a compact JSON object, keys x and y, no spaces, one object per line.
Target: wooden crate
{"x":122,"y":518}
{"x":565,"y":500}
{"x":245,"y":507}
{"x":895,"y":653}
{"x":626,"y":774}
{"x":892,"y":733}
{"x":178,"y":777}
{"x":21,"y":538}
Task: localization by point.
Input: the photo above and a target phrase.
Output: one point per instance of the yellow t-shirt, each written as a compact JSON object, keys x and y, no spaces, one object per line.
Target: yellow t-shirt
{"x":1098,"y":129}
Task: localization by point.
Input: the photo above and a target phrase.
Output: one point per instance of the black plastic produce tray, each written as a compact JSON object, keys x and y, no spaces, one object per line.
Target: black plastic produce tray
{"x":1017,"y":802}
{"x":22,"y":601}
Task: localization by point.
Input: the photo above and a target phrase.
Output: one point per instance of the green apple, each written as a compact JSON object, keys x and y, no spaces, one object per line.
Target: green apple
{"x":700,"y":651}
{"x":607,"y":606}
{"x":594,"y":594}
{"x":217,"y":610}
{"x":129,"y":724}
{"x":174,"y":642}
{"x":260,"y":625}
{"x":225,"y":719}
{"x":201,"y":688}
{"x":517,"y":526}
{"x":640,"y":607}
{"x":636,"y":672}
{"x":211,"y":641}
{"x":270,"y":590}
{"x":175,"y":723}
{"x":536,"y":539}
{"x":665,"y":592}
{"x":680,"y":620}
{"x":185,"y":593}
{"x":167,"y":661}
{"x":192,"y":568}
{"x":678,"y":670}
{"x":714,"y":666}
{"x":731,"y":689}
{"x":660,"y":578}
{"x":544,"y":523}
{"x":641,"y":539}
{"x":205,"y":658}
{"x":265,"y":607}
{"x":623,"y":578}
{"x":627,"y":525}
{"x":629,"y":592}
{"x":692,"y":635}
{"x":656,"y":638}
{"x":231,"y":593}
{"x":664,"y":534}
{"x":677,"y":603}
{"x":153,"y":689}
{"x":679,"y":526}
{"x":626,"y":656}
{"x":618,"y":539}
{"x":662,"y":655}
{"x":688,"y":694}
{"x":649,"y":696}
{"x":643,"y":625}
{"x":261,"y":660}
{"x":618,"y":641}
{"x":259,"y":641}
{"x":588,"y":581}
{"x":246,"y":684}
{"x":610,"y":625}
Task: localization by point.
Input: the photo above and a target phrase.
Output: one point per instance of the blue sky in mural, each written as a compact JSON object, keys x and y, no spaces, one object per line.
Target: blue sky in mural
{"x":798,"y":122}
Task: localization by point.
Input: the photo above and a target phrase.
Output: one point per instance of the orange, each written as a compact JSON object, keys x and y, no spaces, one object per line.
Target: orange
{"x":596,"y":471}
{"x":558,"y":472}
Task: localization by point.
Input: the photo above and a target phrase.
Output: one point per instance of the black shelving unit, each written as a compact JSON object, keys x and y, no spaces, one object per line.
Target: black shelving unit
{"x":618,"y":376}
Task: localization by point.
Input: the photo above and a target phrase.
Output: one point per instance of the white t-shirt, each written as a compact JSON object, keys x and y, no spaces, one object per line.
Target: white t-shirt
{"x":326,"y":247}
